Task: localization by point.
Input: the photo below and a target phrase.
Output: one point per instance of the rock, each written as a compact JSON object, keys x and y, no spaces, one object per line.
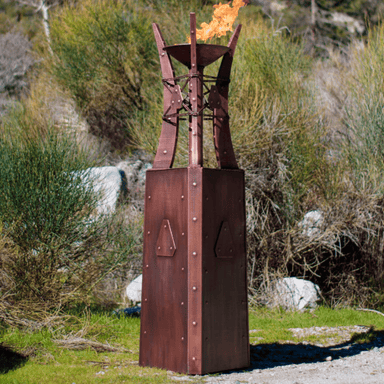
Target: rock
{"x":311,"y":223}
{"x":133,"y":290}
{"x":294,"y":293}
{"x":110,"y":182}
{"x":135,"y":171}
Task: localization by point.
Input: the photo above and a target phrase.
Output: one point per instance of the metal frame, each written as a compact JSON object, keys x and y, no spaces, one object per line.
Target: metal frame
{"x":194,"y":315}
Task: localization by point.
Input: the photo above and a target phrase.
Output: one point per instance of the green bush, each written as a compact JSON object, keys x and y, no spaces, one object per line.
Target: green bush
{"x":104,"y":54}
{"x":47,"y":213}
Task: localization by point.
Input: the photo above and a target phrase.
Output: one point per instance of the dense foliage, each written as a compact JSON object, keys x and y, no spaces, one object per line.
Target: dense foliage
{"x":307,"y":132}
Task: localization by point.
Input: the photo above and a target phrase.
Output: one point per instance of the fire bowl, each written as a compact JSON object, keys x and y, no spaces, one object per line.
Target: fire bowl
{"x":206,"y":53}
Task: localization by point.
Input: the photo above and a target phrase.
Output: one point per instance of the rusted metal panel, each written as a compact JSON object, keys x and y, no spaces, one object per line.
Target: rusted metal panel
{"x":165,"y":245}
{"x":225,"y":247}
{"x":195,"y":260}
{"x":225,"y":306}
{"x":163,"y":335}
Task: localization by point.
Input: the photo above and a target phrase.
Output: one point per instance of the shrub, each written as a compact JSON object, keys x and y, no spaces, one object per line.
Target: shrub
{"x":104,"y":54}
{"x":46,"y":211}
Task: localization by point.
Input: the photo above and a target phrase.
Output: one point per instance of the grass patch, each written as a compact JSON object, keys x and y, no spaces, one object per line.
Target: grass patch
{"x":34,"y":357}
{"x":273,"y":325}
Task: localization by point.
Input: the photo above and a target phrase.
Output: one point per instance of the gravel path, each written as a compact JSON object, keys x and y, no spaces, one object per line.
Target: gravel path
{"x":305,"y":363}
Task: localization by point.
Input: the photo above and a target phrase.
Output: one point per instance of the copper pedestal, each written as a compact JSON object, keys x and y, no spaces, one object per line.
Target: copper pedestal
{"x":194,"y":316}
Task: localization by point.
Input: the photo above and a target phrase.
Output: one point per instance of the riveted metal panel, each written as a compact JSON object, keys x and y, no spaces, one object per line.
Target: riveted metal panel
{"x":225,"y":311}
{"x":163,"y":335}
{"x":195,"y":259}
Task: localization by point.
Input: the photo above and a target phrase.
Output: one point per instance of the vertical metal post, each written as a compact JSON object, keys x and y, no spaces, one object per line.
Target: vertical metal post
{"x":196,"y":98}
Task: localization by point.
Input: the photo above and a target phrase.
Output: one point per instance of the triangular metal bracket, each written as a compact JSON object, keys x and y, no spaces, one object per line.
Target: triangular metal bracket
{"x":224,"y":244}
{"x":165,"y":242}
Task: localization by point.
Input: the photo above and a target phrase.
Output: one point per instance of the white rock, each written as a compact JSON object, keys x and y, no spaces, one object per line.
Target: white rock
{"x":109,"y":182}
{"x":311,"y":223}
{"x":133,"y":290}
{"x":294,"y":293}
{"x":353,"y":25}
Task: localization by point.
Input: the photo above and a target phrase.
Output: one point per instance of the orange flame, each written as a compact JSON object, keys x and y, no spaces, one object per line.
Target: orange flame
{"x":222,"y":20}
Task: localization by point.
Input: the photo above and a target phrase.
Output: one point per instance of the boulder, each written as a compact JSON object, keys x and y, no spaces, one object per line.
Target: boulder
{"x":135,"y":171}
{"x":311,"y":223}
{"x":110,"y":182}
{"x":133,"y":290}
{"x":293,"y":293}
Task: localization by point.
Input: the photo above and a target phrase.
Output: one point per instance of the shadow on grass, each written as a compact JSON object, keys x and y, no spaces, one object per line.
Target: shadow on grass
{"x":10,"y":360}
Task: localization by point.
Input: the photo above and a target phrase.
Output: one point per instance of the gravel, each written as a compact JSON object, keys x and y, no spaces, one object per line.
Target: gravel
{"x":303,"y":363}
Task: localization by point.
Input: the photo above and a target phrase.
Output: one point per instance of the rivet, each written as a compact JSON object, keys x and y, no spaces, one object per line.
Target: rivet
{"x":240,"y":201}
{"x":207,"y":198}
{"x":218,"y":249}
{"x":158,"y":247}
{"x":145,"y":299}
{"x":182,"y":197}
{"x":194,"y":134}
{"x":225,"y":152}
{"x":182,"y":234}
{"x":194,"y":219}
{"x":173,"y":102}
{"x":172,"y":248}
{"x":178,"y":101}
{"x":206,"y":302}
{"x":175,"y":90}
{"x":147,"y":266}
{"x":193,"y":358}
{"x":193,"y":65}
{"x":145,"y":332}
{"x":206,"y":236}
{"x":192,"y":32}
{"x":149,"y":232}
{"x":243,"y":302}
{"x":221,"y":119}
{"x":163,"y":54}
{"x":230,"y":250}
{"x":194,"y":288}
{"x":194,"y":183}
{"x":206,"y":271}
{"x":182,"y":339}
{"x":169,"y":118}
{"x":190,"y":84}
{"x":225,"y":229}
{"x":165,"y":152}
{"x":182,"y":303}
{"x":165,"y":226}
{"x":194,"y":253}
{"x":194,"y":323}
{"x":149,"y":197}
{"x":193,"y":98}
{"x":182,"y":269}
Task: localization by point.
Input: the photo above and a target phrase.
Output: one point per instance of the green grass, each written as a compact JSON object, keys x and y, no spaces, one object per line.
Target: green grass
{"x":48,"y":363}
{"x":274,"y":325}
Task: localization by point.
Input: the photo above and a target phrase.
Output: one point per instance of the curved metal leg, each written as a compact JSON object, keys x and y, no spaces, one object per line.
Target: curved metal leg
{"x":165,"y":154}
{"x":219,"y":100}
